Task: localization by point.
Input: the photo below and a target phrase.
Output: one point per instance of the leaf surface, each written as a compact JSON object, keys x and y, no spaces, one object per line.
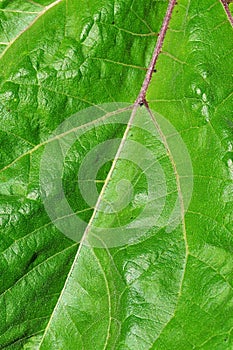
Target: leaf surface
{"x":171,"y":289}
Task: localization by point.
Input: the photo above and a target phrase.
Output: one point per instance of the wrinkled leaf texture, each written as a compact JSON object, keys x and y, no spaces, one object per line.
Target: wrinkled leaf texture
{"x":58,"y":58}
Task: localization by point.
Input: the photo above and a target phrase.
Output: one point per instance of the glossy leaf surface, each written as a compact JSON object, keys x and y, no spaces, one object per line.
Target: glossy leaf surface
{"x":173,"y":288}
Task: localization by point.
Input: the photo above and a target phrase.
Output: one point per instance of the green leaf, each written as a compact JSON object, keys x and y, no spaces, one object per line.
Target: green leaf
{"x":231,"y":7}
{"x":171,"y":286}
{"x":17,"y":17}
